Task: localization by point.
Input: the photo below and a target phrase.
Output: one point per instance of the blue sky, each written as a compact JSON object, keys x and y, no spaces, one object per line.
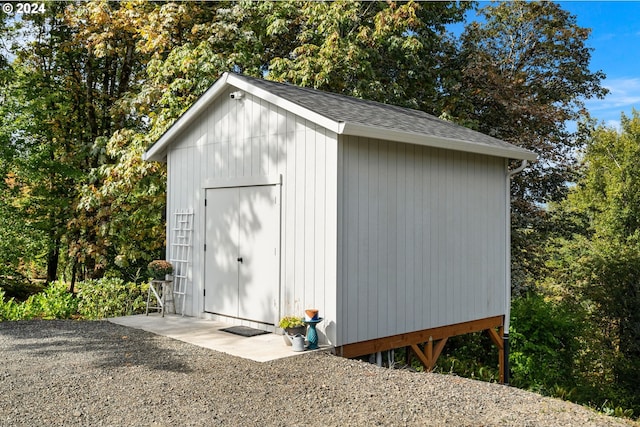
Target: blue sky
{"x":615,"y":38}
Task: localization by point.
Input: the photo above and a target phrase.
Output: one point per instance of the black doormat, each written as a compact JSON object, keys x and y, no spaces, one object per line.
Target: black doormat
{"x":244,"y":331}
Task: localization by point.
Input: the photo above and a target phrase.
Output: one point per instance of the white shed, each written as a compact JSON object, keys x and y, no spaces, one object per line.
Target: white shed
{"x":392,"y":222}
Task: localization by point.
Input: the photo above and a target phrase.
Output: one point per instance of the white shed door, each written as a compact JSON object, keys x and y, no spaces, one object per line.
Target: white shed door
{"x":242,"y":252}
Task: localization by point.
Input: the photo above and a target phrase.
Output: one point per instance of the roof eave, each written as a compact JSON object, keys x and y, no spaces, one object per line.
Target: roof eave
{"x":283,"y":103}
{"x":158,"y":151}
{"x":154,"y":155}
{"x":516,"y":153}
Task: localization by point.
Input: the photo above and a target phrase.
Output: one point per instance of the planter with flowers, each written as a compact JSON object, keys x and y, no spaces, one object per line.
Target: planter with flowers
{"x":292,"y":326}
{"x":160,"y":269}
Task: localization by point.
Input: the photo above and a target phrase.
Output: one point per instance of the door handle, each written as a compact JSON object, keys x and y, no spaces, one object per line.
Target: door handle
{"x":239,"y":259}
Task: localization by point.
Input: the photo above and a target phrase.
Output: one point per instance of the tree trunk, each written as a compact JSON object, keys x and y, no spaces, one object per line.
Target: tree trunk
{"x":52,"y":261}
{"x":74,"y":270}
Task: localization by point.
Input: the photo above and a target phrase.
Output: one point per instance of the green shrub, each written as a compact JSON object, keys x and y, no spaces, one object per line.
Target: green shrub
{"x":54,"y":302}
{"x":10,"y":309}
{"x":96,"y":299}
{"x":110,"y":297}
{"x":544,"y":345}
{"x":467,"y":368}
{"x":616,"y":411}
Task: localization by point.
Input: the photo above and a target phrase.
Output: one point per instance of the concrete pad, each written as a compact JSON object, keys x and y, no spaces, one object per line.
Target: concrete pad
{"x":206,"y":333}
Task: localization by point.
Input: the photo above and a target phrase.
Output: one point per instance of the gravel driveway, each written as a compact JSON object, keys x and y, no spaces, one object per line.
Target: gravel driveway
{"x":66,"y":373}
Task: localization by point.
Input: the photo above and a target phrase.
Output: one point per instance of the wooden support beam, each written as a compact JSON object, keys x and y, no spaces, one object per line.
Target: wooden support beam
{"x":496,"y":337}
{"x":438,"y":349}
{"x":430,"y":355}
{"x":396,"y":341}
{"x":432,"y":350}
{"x":423,"y":358}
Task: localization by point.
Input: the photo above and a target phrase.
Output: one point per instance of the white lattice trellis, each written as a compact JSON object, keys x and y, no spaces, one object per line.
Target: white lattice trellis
{"x":181,"y":248}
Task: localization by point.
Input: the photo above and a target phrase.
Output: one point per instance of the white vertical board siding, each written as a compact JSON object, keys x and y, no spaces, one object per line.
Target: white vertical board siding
{"x":309,"y":222}
{"x":253,"y":138}
{"x":183,"y":183}
{"x":421,"y":238}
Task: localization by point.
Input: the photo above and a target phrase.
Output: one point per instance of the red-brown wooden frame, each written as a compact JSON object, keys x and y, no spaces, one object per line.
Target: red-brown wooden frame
{"x":434,"y":340}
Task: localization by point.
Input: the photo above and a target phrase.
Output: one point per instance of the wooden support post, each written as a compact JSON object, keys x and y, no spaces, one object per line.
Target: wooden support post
{"x":438,"y":349}
{"x":423,"y":358}
{"x":496,"y":337}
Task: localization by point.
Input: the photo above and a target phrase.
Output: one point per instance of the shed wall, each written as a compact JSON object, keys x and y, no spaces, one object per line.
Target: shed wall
{"x":238,"y":139}
{"x":421,"y":238}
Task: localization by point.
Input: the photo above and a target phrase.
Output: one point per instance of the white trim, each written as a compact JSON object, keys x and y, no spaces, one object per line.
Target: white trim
{"x":285,"y":104}
{"x":242,"y":181}
{"x":507,"y":273}
{"x":436,"y":142}
{"x":157,"y":151}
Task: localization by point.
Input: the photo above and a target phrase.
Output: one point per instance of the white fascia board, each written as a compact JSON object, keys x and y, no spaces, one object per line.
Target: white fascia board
{"x":157,"y":151}
{"x":287,"y":105}
{"x":436,"y":142}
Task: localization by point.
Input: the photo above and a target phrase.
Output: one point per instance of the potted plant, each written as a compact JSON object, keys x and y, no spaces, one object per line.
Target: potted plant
{"x":292,"y":325}
{"x":159,"y":269}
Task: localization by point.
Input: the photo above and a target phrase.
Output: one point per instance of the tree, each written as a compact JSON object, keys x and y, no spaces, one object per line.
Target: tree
{"x":119,"y":209}
{"x":599,"y":264}
{"x":71,"y":75}
{"x":16,"y":230}
{"x":40,"y":157}
{"x":387,"y":52}
{"x":522,"y":74}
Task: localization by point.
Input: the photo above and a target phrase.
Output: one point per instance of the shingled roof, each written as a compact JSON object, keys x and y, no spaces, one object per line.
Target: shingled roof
{"x":349,"y":116}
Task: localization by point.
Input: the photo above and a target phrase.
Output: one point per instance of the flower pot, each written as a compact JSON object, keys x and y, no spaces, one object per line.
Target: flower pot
{"x":311,"y":314}
{"x":159,"y":268}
